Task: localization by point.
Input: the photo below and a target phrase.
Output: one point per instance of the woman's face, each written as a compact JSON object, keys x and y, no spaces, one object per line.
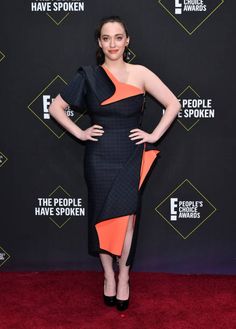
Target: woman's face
{"x":113,"y":40}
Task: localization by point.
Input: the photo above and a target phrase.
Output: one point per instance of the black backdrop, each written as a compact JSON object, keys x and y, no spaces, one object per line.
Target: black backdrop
{"x":188,"y":219}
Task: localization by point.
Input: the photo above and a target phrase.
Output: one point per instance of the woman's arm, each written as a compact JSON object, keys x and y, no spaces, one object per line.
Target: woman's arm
{"x":155,"y":87}
{"x":57,"y":110}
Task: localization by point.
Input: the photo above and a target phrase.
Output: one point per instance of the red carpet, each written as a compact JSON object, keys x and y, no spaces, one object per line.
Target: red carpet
{"x":72,"y":300}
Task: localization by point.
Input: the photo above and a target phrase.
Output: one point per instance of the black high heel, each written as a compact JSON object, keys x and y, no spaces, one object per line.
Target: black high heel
{"x":109,"y":300}
{"x":122,"y":304}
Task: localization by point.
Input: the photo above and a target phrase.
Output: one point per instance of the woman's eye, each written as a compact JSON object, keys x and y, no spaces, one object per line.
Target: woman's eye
{"x":119,"y":38}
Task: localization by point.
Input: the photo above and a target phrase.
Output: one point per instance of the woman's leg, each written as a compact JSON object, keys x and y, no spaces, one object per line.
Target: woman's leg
{"x":123,"y":287}
{"x":109,"y":275}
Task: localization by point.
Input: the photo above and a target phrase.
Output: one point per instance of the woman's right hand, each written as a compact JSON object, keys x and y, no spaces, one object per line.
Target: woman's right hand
{"x":94,"y":130}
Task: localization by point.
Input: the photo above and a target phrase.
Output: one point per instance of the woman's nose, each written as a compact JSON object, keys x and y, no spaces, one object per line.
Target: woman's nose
{"x":112,"y":43}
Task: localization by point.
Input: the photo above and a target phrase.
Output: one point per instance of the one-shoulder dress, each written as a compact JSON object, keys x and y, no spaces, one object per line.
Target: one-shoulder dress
{"x":115,"y":167}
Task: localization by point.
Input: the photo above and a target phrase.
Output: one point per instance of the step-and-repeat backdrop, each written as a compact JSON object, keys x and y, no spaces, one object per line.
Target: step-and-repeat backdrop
{"x":187,"y":218}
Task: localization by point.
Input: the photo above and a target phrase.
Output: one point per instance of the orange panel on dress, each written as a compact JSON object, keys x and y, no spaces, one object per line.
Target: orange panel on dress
{"x":123,"y":90}
{"x":147,"y":160}
{"x":111,"y":233}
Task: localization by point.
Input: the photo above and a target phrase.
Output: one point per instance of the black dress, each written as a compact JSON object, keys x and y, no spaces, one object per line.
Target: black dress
{"x":114,"y":166}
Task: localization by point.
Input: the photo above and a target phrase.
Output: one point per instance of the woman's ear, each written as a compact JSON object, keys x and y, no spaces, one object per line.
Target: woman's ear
{"x":99,"y":42}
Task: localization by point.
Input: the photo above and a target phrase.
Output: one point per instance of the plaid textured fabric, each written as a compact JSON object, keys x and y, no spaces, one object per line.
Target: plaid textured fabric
{"x":111,"y":164}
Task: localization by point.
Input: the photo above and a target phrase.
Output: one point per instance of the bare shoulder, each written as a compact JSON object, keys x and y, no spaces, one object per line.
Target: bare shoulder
{"x":142,"y":72}
{"x":137,"y":68}
{"x":154,"y":85}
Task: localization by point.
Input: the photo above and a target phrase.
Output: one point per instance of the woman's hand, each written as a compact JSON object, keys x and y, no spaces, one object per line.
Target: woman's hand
{"x":143,"y":135}
{"x":94,"y":130}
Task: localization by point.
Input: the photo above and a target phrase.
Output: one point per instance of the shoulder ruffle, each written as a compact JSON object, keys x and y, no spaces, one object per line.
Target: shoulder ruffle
{"x":99,"y":82}
{"x":75,"y":92}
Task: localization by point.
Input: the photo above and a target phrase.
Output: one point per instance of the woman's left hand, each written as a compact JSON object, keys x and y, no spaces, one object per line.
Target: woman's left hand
{"x":143,"y":135}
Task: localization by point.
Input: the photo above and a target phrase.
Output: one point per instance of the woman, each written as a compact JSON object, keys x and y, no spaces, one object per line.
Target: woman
{"x":118,"y":154}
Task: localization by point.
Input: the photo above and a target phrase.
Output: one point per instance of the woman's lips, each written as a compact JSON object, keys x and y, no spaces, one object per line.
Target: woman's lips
{"x":113,"y":51}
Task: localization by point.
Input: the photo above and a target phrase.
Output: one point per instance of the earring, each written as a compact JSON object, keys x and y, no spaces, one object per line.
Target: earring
{"x":128,"y":54}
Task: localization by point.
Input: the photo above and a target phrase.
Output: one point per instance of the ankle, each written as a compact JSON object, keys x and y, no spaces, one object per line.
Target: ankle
{"x":109,"y":276}
{"x":123,"y":277}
